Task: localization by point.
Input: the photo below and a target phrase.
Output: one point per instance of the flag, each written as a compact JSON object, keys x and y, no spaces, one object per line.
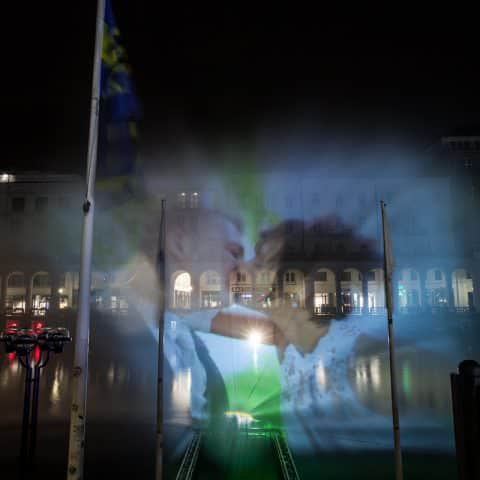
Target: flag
{"x":118,"y":168}
{"x":119,"y":192}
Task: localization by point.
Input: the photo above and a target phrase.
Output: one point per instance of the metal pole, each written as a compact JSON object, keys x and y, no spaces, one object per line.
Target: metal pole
{"x":161,"y":315}
{"x":34,"y":415}
{"x":82,"y":331}
{"x":391,"y":348}
{"x":26,"y":416}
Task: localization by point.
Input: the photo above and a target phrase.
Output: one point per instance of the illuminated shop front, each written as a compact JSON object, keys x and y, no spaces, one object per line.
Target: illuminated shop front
{"x":324,"y":292}
{"x":210,"y":290}
{"x":241,"y":288}
{"x":351,"y":291}
{"x":266,"y":290}
{"x":182,"y":291}
{"x":294,"y":288}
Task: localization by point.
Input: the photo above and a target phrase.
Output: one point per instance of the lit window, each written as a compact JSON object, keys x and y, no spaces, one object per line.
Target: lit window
{"x":194,"y":198}
{"x":182,"y":200}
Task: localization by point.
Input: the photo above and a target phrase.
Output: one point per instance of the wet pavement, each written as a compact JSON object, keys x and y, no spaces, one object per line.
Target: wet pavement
{"x":121,"y":409}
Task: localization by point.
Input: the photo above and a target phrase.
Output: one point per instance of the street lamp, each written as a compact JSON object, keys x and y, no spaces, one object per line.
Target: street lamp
{"x":33,"y":349}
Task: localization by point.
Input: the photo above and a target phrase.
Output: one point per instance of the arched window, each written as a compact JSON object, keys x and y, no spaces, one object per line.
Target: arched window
{"x":182,"y":291}
{"x":41,"y":280}
{"x":16,"y":280}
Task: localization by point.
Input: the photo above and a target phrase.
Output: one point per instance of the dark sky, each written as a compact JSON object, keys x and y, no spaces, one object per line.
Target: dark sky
{"x":216,"y":76}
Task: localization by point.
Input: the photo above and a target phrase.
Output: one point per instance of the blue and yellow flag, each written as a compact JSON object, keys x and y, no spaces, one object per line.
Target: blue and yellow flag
{"x":119,"y":179}
{"x":119,"y":112}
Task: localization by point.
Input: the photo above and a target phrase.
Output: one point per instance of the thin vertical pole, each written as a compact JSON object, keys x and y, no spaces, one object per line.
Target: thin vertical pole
{"x":34,"y":415}
{"x":26,"y":416}
{"x":391,"y":347}
{"x":80,"y":370}
{"x":161,"y":314}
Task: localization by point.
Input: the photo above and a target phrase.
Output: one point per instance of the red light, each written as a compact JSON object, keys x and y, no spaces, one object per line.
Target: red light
{"x":11,"y":356}
{"x":37,"y":353}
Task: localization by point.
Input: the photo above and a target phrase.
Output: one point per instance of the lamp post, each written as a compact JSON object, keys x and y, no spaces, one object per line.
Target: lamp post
{"x":33,"y":350}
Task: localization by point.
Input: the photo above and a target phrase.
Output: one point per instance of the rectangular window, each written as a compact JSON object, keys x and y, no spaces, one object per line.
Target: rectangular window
{"x":41,"y":204}
{"x":438,"y":275}
{"x":18,"y":204}
{"x":371,"y":276}
{"x":194,"y":199}
{"x":290,"y":277}
{"x":241,"y":277}
{"x":182,"y":200}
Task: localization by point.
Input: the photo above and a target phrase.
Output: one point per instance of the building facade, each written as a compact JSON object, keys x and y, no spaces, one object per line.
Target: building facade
{"x":331,"y":260}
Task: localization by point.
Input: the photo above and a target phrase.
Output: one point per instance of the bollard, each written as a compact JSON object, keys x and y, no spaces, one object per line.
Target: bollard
{"x":466,"y":418}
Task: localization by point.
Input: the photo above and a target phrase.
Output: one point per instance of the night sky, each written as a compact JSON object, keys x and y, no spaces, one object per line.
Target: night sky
{"x":214,"y":77}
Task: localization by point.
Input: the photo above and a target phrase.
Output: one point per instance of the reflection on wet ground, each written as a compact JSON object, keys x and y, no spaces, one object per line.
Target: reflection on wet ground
{"x":121,"y":408}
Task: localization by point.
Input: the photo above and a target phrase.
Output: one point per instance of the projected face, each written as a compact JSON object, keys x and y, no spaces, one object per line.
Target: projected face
{"x":207,"y":247}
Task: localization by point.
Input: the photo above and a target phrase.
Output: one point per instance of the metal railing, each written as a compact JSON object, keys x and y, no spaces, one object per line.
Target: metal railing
{"x":284,"y":456}
{"x":189,"y":461}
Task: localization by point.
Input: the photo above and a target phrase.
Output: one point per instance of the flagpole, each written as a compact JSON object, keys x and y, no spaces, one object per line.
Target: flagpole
{"x":161,"y":315}
{"x":388,"y":267}
{"x":76,"y":444}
